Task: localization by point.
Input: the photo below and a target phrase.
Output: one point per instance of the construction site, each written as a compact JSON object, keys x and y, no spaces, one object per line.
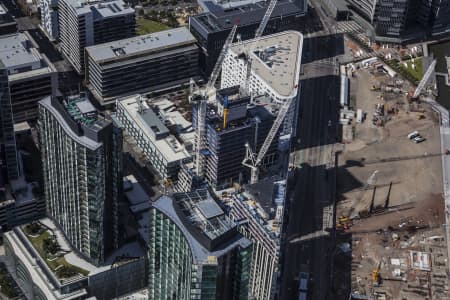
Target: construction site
{"x":390,"y":211}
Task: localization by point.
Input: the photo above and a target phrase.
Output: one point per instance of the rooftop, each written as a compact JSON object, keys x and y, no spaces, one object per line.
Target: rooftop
{"x":223,"y":15}
{"x":264,"y":201}
{"x":17,"y":51}
{"x":101,"y":9}
{"x":209,"y":222}
{"x":204,"y":213}
{"x":153,"y":128}
{"x":276,"y":59}
{"x":154,"y":42}
{"x":132,"y":250}
{"x":134,"y":191}
{"x":81,"y":110}
{"x":258,"y":111}
{"x":267,"y":193}
{"x":76,"y":122}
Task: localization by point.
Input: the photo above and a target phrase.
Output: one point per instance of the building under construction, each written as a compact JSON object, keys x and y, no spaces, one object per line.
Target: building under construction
{"x":229,"y":126}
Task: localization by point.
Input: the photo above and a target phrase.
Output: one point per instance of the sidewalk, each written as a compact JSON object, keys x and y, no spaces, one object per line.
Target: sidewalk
{"x":445,"y":144}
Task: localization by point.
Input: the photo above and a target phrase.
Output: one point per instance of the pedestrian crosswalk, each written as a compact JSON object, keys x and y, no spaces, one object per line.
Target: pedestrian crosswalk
{"x":349,"y":26}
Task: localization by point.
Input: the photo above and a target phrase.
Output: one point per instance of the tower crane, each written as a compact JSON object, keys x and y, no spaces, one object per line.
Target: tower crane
{"x":425,"y":79}
{"x":258,"y":33}
{"x":201,"y":97}
{"x":252,"y":160}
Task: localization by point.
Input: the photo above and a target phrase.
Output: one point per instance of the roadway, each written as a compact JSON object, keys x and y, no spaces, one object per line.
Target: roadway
{"x":314,"y":188}
{"x":312,"y":195}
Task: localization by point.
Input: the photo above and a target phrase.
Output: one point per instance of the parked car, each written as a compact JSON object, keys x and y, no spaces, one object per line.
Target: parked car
{"x":419,"y":139}
{"x":413,"y":135}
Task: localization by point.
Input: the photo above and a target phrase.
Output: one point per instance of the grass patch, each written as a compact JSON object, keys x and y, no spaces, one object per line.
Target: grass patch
{"x":58,"y":265}
{"x":417,"y":72}
{"x":7,"y":285}
{"x":149,"y":26}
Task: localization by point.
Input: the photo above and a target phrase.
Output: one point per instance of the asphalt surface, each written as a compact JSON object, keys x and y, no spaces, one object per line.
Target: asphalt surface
{"x":68,"y":80}
{"x":313,"y":187}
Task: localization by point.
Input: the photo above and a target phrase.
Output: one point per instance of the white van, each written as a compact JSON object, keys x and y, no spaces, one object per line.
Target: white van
{"x":413,"y":135}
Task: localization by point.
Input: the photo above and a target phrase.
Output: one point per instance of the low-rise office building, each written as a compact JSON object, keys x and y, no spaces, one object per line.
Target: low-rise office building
{"x":19,"y":203}
{"x":85,"y":23}
{"x":142,"y":64}
{"x":212,"y":27}
{"x":63,"y":273}
{"x":150,"y":131}
{"x":195,"y":250}
{"x":31,"y":75}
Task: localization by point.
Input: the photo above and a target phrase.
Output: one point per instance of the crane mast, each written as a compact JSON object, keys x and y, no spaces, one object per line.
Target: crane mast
{"x":218,"y":66}
{"x":258,"y":33}
{"x":201,"y":97}
{"x":252,"y":160}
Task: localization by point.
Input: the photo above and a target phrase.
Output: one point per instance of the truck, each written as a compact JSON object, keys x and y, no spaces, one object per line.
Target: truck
{"x":359,"y":116}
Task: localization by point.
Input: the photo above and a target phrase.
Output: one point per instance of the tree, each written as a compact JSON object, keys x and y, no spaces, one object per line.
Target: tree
{"x":50,"y":246}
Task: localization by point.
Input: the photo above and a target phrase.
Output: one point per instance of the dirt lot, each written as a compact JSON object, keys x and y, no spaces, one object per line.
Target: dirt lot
{"x":404,"y":181}
{"x":414,"y":169}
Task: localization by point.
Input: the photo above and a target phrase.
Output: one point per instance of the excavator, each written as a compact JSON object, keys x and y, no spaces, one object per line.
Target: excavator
{"x":376,"y":278}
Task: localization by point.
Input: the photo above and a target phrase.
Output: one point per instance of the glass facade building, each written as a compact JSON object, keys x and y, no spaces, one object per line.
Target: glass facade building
{"x":82,"y":165}
{"x":195,"y":251}
{"x":8,"y":151}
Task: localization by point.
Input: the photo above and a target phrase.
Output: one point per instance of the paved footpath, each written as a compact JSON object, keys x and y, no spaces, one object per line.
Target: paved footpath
{"x":445,"y":145}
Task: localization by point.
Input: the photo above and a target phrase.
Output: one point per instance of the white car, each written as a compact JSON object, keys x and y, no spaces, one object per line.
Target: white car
{"x":419,"y":139}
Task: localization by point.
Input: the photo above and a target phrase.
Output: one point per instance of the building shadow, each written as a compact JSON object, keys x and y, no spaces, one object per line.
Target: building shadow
{"x":318,"y":118}
{"x":322,"y":47}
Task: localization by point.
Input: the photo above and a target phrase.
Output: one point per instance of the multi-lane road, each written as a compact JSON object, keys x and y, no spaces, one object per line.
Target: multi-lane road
{"x":312,"y":194}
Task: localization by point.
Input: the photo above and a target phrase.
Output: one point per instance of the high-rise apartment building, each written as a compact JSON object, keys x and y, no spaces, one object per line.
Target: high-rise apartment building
{"x":8,"y":150}
{"x":439,"y":19}
{"x":275,"y":71}
{"x":213,"y":25}
{"x":82,"y":166}
{"x":31,"y":75}
{"x":195,"y":250}
{"x":49,"y":17}
{"x":151,"y":62}
{"x":85,"y":23}
{"x":226,"y":136}
{"x":398,"y":21}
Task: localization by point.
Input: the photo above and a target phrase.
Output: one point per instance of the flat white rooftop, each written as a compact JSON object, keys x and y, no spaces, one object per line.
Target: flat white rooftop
{"x":169,"y":147}
{"x":103,"y":8}
{"x":16,"y":50}
{"x":276,"y":59}
{"x":141,"y":44}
